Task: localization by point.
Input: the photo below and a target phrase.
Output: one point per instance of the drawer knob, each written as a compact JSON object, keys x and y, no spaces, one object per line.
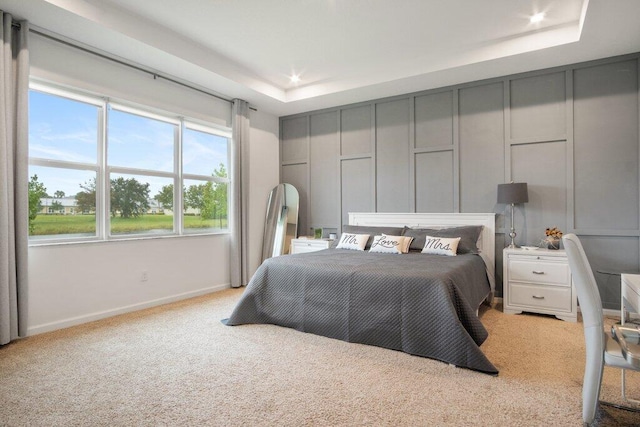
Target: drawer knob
{"x":537,"y":272}
{"x":537,"y":297}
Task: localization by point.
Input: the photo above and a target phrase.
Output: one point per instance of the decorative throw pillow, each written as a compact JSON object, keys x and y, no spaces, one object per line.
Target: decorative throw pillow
{"x":468,"y":234}
{"x":370,"y":230}
{"x":353,"y":241}
{"x":441,"y":246}
{"x":406,"y":244}
{"x":388,"y":244}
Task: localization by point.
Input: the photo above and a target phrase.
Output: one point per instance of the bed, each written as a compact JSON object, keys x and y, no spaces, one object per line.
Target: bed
{"x":421,"y":304}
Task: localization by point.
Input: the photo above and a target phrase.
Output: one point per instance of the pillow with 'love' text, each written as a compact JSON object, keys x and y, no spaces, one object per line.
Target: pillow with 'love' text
{"x":388,"y":244}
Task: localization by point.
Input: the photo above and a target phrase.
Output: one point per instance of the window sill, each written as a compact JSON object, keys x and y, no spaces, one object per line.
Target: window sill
{"x":123,"y":239}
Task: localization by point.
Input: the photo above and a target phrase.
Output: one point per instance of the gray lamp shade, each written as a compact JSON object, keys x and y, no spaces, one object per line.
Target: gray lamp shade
{"x":514,"y":192}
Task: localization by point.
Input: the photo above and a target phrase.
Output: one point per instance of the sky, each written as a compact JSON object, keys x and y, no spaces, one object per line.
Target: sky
{"x":68,"y":130}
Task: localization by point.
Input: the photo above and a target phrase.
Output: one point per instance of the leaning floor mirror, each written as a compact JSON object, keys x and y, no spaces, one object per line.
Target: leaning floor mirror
{"x":281,"y":224}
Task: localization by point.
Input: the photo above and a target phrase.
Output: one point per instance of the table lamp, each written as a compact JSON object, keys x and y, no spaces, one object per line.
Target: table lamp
{"x":513,"y":193}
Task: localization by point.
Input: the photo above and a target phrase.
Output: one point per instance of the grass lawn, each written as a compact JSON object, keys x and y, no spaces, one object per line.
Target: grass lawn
{"x":46,"y":225}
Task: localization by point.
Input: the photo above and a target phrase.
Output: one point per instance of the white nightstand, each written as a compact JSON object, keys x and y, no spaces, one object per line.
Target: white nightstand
{"x":301,"y":246}
{"x":538,"y":281}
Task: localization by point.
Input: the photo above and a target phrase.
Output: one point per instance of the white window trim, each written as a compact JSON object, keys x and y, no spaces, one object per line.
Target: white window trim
{"x":103,"y":170}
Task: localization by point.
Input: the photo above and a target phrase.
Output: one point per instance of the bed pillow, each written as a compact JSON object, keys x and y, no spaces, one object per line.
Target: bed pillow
{"x":353,"y":241}
{"x":468,"y":234}
{"x":406,"y":243}
{"x":388,"y":244}
{"x":370,"y":230}
{"x":441,"y":245}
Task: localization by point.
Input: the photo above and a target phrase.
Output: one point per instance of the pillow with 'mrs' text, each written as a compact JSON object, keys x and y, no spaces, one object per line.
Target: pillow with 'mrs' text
{"x":468,"y":234}
{"x":441,"y":246}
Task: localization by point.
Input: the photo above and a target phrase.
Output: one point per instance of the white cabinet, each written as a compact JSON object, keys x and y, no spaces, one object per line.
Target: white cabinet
{"x":538,"y":281}
{"x":300,"y":246}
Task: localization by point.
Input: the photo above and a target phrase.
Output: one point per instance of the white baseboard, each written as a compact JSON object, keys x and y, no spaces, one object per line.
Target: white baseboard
{"x":73,"y":321}
{"x":606,"y":311}
{"x":609,"y":312}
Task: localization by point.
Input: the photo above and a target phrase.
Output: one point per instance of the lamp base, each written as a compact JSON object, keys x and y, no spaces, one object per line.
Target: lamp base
{"x":512,"y":233}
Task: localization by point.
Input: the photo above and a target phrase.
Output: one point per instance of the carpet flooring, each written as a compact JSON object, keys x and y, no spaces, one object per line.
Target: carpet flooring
{"x":177,"y":365}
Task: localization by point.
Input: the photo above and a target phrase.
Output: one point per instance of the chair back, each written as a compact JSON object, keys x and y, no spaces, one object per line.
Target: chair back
{"x":593,"y":319}
{"x":585,"y":283}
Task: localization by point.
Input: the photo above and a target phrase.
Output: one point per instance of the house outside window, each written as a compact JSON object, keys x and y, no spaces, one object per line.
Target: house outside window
{"x":103,"y":170}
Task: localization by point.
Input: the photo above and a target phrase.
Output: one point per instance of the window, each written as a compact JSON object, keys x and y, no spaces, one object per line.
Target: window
{"x":205,"y":164}
{"x":63,"y":157}
{"x":101,"y":170}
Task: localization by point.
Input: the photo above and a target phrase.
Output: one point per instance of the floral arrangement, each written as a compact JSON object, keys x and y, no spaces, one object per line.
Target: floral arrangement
{"x":553,"y":233}
{"x":552,"y":239}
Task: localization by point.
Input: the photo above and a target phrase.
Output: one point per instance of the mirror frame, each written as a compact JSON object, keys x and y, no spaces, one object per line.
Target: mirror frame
{"x":281,"y":221}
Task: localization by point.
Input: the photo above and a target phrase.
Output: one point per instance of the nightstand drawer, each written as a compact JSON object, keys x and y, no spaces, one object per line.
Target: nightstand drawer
{"x":301,"y":246}
{"x":542,"y":297}
{"x":539,"y":272}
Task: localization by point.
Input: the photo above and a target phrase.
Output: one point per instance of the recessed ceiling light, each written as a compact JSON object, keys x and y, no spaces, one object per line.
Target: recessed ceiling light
{"x":537,"y":18}
{"x":294,"y":78}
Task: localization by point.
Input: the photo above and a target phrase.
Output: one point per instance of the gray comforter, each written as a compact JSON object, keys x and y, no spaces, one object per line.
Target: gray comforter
{"x":420,"y":304}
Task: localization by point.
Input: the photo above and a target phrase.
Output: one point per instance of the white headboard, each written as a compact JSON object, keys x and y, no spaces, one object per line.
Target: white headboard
{"x":486,"y":242}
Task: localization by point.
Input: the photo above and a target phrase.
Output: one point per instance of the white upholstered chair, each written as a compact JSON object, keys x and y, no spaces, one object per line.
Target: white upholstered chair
{"x":601,"y":348}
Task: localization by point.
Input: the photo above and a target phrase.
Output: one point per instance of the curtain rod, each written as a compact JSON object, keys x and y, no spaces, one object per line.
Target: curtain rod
{"x":156,"y":75}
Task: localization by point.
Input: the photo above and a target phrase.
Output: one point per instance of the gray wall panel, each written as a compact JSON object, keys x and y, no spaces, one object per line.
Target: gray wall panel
{"x":599,"y":250}
{"x":606,"y":146}
{"x":571,"y":133}
{"x":392,"y":156}
{"x":323,"y":170}
{"x":543,"y":167}
{"x":296,"y":175}
{"x":538,"y":106}
{"x":294,"y":140}
{"x":434,"y":120}
{"x":434,"y":181}
{"x":356,"y":133}
{"x":481,"y":146}
{"x":357,"y":191}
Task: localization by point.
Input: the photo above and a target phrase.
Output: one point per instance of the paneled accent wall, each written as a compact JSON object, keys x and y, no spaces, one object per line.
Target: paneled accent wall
{"x":571,"y":133}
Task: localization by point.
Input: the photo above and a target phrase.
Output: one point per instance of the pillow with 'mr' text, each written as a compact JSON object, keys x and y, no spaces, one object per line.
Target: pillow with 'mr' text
{"x":352,"y":241}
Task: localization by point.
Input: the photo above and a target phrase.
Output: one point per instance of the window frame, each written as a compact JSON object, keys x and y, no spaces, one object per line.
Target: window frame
{"x":104,"y":170}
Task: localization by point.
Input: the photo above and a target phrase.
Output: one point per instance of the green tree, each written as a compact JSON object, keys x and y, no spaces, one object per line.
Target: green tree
{"x":129,"y":197}
{"x":221,"y":194}
{"x":209,"y":203}
{"x":211,"y":198}
{"x":59,"y":194}
{"x":194,"y":197}
{"x":37,"y":191}
{"x":86,"y":200}
{"x":56,"y":206}
{"x":165,"y":197}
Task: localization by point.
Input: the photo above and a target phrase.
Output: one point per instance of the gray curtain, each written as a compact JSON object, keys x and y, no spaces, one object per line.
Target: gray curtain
{"x":14,"y":170}
{"x":240,"y":194}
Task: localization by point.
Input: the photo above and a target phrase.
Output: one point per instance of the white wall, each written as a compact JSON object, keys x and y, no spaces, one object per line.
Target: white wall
{"x":67,"y":66}
{"x":264,"y":175}
{"x":75,"y":283}
{"x":71,"y":284}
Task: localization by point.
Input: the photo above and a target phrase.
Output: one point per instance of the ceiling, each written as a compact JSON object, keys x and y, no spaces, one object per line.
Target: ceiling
{"x":344,"y":51}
